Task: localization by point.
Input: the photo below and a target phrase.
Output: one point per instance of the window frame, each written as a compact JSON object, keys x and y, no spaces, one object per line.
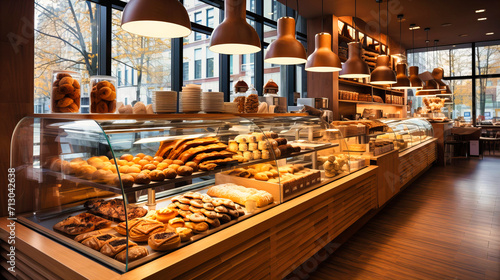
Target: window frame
{"x":105,"y":37}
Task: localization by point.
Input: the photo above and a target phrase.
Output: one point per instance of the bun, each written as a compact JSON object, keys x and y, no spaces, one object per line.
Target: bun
{"x":185,"y":171}
{"x":142,"y":178}
{"x":193,"y":165}
{"x":157,"y":175}
{"x":184,"y":233}
{"x":169,"y":173}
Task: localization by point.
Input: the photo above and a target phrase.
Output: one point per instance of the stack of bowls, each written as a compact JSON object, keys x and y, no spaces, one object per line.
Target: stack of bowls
{"x":212,"y":102}
{"x":164,"y":101}
{"x":190,"y":99}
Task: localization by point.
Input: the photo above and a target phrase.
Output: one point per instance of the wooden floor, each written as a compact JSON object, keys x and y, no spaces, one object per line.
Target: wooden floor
{"x":446,"y":225}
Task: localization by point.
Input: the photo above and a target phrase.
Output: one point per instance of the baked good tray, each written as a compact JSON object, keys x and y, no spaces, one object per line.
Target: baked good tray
{"x":45,"y":222}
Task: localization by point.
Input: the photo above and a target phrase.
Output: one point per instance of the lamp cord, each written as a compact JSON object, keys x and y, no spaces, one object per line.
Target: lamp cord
{"x":413,"y":39}
{"x":354,"y":23}
{"x":379,"y":31}
{"x":387,"y":22}
{"x":286,"y":8}
{"x":400,"y":20}
{"x":322,"y":17}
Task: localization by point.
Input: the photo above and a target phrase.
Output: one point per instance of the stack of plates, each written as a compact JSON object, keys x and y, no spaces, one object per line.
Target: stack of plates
{"x":212,"y":102}
{"x":230,"y":108}
{"x":164,"y":101}
{"x":190,"y":99}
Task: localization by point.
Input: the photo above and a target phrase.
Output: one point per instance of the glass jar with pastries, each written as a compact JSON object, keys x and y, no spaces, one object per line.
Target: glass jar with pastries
{"x":126,"y":191}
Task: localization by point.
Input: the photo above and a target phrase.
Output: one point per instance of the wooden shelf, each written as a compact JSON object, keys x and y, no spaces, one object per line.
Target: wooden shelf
{"x":348,"y":82}
{"x":370,"y":103}
{"x":162,"y":116}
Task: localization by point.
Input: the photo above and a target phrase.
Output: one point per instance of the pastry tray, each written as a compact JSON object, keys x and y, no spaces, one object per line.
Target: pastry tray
{"x":44,"y":224}
{"x":171,"y":182}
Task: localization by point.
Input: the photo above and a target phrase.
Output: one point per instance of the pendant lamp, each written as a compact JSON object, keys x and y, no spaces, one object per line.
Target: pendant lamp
{"x":430,"y":84}
{"x":415,"y":81}
{"x":323,"y":59}
{"x":403,"y":82}
{"x":234,"y":35}
{"x":383,"y":74}
{"x":286,"y":49}
{"x":355,"y":66}
{"x":156,"y":18}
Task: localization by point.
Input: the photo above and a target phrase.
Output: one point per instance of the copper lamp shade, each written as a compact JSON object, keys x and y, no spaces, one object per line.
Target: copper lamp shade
{"x":402,"y":80}
{"x":323,"y":59}
{"x":234,"y":35}
{"x":286,"y":50}
{"x":383,"y":74}
{"x":415,"y":81}
{"x":354,"y":67}
{"x":437,"y":74}
{"x":156,"y":18}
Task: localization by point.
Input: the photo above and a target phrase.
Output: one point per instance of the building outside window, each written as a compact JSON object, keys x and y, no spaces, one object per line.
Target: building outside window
{"x":185,"y":69}
{"x":197,"y":63}
{"x":197,"y":19}
{"x":210,"y":18}
{"x":210,"y":64}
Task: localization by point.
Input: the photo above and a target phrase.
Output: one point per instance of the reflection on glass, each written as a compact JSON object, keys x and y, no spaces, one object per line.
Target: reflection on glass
{"x":64,"y":41}
{"x":140,"y":64}
{"x":488,"y":99}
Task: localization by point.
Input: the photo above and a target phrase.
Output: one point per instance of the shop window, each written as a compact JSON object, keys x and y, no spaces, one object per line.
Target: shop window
{"x":488,"y":98}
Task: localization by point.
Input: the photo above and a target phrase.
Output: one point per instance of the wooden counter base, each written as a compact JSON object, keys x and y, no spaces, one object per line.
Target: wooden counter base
{"x":268,"y":245}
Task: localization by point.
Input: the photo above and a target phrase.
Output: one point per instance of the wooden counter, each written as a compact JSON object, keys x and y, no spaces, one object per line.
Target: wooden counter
{"x":266,"y":246}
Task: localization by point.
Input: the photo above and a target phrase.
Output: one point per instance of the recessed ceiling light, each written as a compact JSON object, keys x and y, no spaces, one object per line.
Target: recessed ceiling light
{"x":481,"y":19}
{"x":490,"y":33}
{"x":415,"y":27}
{"x":463,"y":35}
{"x":446,"y":24}
{"x":480,"y":11}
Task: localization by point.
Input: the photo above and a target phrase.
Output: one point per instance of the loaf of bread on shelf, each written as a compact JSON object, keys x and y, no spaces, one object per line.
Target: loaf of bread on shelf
{"x":165,"y":148}
{"x":200,"y":158}
{"x":240,"y":194}
{"x":189,"y":154}
{"x":179,"y":149}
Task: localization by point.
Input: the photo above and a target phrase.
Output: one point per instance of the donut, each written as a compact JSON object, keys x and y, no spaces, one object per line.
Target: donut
{"x":62,"y":75}
{"x":65,"y":102}
{"x":106,"y":93}
{"x":76,"y":84}
{"x":66,"y":81}
{"x":56,"y":94}
{"x":103,"y":84}
{"x":102,"y":107}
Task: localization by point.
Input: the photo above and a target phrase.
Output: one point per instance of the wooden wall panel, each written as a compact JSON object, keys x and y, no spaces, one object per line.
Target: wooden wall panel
{"x":16,"y":80}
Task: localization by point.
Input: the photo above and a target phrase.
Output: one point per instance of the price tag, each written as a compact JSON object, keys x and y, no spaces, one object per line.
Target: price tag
{"x":281,"y":162}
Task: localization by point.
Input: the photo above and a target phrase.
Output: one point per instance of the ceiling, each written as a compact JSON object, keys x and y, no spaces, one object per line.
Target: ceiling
{"x":424,"y":13}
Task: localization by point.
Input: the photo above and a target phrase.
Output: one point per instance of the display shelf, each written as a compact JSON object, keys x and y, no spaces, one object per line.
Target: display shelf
{"x":370,"y":103}
{"x":163,"y":116}
{"x":172,"y":182}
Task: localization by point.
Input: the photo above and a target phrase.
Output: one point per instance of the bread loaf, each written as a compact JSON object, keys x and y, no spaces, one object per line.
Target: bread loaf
{"x":240,"y":194}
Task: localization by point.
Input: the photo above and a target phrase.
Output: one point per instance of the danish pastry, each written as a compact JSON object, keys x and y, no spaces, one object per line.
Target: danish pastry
{"x":164,"y":241}
{"x":115,"y":246}
{"x":134,"y":253}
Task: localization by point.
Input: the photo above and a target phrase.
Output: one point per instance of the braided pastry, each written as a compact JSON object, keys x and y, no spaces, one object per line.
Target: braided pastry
{"x":65,"y":102}
{"x":66,"y":81}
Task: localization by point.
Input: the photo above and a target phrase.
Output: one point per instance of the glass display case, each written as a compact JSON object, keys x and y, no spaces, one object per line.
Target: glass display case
{"x":410,"y":132}
{"x":366,"y":138}
{"x":124,"y":192}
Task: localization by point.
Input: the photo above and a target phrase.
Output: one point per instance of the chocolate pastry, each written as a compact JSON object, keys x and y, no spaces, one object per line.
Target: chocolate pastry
{"x":96,"y":242}
{"x":164,"y":241}
{"x":114,"y":247}
{"x":134,"y":253}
